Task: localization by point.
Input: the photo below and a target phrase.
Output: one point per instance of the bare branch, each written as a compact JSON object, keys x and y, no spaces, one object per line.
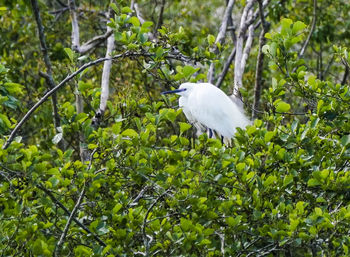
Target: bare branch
{"x":138,"y":13}
{"x":69,"y":221}
{"x":160,"y":17}
{"x":226,"y":67}
{"x":174,"y":55}
{"x":239,"y":46}
{"x":75,"y":26}
{"x":105,"y":77}
{"x":345,"y":76}
{"x":53,"y":198}
{"x":53,"y":90}
{"x":220,"y":37}
{"x":139,"y":196}
{"x":92,"y":43}
{"x":145,"y":236}
{"x":247,"y":47}
{"x":313,"y":25}
{"x":259,"y":62}
{"x":44,"y":50}
{"x":106,"y":73}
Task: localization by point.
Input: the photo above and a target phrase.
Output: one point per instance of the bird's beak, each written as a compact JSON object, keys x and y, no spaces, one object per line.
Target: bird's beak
{"x":174,"y":91}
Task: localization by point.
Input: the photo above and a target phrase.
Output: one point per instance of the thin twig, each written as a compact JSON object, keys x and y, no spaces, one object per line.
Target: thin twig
{"x":53,"y":90}
{"x":226,"y":67}
{"x":53,"y":198}
{"x":160,"y":17}
{"x":260,"y":61}
{"x":69,"y":221}
{"x":220,"y":37}
{"x":174,"y":55}
{"x":313,"y":25}
{"x":139,"y":196}
{"x":47,"y":61}
{"x":145,"y":236}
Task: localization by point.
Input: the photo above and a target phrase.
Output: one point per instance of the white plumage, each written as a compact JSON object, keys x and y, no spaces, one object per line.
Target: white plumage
{"x":209,"y":106}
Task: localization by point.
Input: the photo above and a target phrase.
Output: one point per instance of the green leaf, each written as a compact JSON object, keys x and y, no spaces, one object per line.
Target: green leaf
{"x":211,"y":39}
{"x":69,"y":53}
{"x":126,"y":9}
{"x":298,"y":26}
{"x":116,"y":208}
{"x":266,"y":49}
{"x":282,"y":106}
{"x":114,"y":7}
{"x":185,"y":224}
{"x":184,"y":126}
{"x":345,"y":140}
{"x":130,"y":133}
{"x":147,"y":24}
{"x":287,"y":180}
{"x":135,"y":21}
{"x":285,"y":23}
{"x":13,"y":88}
{"x":313,"y":182}
{"x":5,"y":120}
{"x":232,"y":222}
{"x":159,"y":52}
{"x":268,"y":35}
{"x":271,"y":179}
{"x":189,"y":70}
{"x":268,"y":136}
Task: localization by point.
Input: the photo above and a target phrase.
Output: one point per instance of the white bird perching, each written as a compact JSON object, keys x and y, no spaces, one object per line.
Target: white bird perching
{"x":209,"y":106}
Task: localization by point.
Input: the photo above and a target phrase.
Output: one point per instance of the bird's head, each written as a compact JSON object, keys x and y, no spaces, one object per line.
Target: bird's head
{"x":183,"y":90}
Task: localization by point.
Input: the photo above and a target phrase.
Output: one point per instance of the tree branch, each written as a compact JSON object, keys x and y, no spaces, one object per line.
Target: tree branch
{"x":53,"y":90}
{"x":259,"y":62}
{"x":226,"y":67}
{"x":69,"y":221}
{"x":105,"y":77}
{"x":92,"y":43}
{"x":53,"y":198}
{"x":75,"y":26}
{"x":220,"y":37}
{"x":145,"y":236}
{"x":313,"y":25}
{"x":160,"y":17}
{"x":247,"y":47}
{"x":239,"y":46}
{"x":174,"y":55}
{"x":44,"y":50}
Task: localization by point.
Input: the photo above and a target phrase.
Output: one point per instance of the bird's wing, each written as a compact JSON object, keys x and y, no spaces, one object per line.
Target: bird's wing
{"x":214,"y":109}
{"x":183,"y":105}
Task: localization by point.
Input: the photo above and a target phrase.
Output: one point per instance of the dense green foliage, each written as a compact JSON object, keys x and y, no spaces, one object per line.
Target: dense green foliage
{"x":151,"y":188}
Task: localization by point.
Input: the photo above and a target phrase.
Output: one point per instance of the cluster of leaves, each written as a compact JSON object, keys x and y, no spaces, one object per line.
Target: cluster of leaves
{"x":151,"y":188}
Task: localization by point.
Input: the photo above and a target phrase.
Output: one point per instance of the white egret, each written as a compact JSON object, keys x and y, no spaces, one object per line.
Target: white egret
{"x":206,"y":105}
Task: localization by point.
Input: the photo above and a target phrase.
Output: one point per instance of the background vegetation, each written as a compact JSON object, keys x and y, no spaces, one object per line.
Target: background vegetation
{"x":82,"y":176}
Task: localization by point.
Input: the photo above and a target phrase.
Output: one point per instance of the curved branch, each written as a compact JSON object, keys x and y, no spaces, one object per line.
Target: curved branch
{"x":44,"y":50}
{"x":174,"y":55}
{"x":220,"y":37}
{"x":69,"y":221}
{"x":53,"y":90}
{"x":53,"y":198}
{"x":313,"y":25}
